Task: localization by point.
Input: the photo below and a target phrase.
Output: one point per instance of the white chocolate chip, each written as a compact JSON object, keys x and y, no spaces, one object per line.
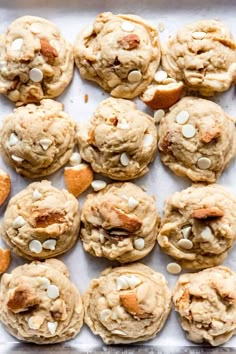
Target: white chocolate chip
{"x":50,"y":244}
{"x":133,"y":281}
{"x":198,"y":35}
{"x":97,"y":185}
{"x":52,"y":327}
{"x":36,"y":27}
{"x":188,"y":131}
{"x":88,"y":31}
{"x":173,"y":268}
{"x":207,"y":234}
{"x":35,"y":322}
{"x":53,"y":292}
{"x":17,"y":158}
{"x":55,"y":44}
{"x":101,"y":238}
{"x":35,"y":246}
{"x":132,"y":203}
{"x":36,"y":75}
{"x":204,"y":163}
{"x":134,"y":76}
{"x":127,"y":26}
{"x":185,"y":243}
{"x":160,"y":76}
{"x":36,"y":195}
{"x":186,"y":231}
{"x":182,"y":117}
{"x":3,"y":64}
{"x":104,"y":314}
{"x":139,"y":244}
{"x":13,"y":140}
{"x":122,"y":124}
{"x":17,"y":44}
{"x":75,"y":159}
{"x":122,"y":283}
{"x":45,"y":143}
{"x":44,"y":283}
{"x":18,"y":222}
{"x":124,"y":159}
{"x":147,"y":140}
{"x":125,"y":197}
{"x":159,"y":114}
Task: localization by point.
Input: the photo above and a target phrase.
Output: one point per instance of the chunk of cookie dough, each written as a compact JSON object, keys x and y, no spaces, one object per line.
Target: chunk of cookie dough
{"x":127,"y":304}
{"x":36,"y":61}
{"x":199,"y":226}
{"x":197,"y":139}
{"x":121,"y":53}
{"x":41,"y":221}
{"x":39,"y":303}
{"x":203,"y":55}
{"x":36,"y":140}
{"x":206,"y":303}
{"x":120,"y":141}
{"x":120,"y":223}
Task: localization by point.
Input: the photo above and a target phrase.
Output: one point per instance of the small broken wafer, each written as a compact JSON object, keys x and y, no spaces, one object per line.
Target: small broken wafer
{"x":130,"y":302}
{"x":5,"y":258}
{"x":5,"y":186}
{"x":78,"y":178}
{"x":204,"y":213}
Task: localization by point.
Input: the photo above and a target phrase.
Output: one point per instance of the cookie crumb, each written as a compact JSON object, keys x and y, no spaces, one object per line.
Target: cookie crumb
{"x":86,"y":98}
{"x":161,"y":26}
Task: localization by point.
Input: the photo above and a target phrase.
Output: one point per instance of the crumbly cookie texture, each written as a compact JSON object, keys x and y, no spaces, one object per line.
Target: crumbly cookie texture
{"x":206,"y":303}
{"x":127,"y":304}
{"x":41,"y":221}
{"x":199,"y":226}
{"x":203,"y":55}
{"x":39,"y":303}
{"x":121,"y":53}
{"x":36,"y":140}
{"x":197,"y":139}
{"x":120,"y":223}
{"x":36,"y":61}
{"x":120,"y":141}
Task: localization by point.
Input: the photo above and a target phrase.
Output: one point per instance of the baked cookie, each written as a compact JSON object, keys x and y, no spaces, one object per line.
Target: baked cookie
{"x":39,"y":303}
{"x":36,"y":140}
{"x":199,"y":226}
{"x":203,"y":55}
{"x":197,"y":139}
{"x":121,"y":53}
{"x":206,"y":303}
{"x":127,"y":304}
{"x":120,"y":223}
{"x":41,"y":221}
{"x":36,"y":61}
{"x":120,"y":141}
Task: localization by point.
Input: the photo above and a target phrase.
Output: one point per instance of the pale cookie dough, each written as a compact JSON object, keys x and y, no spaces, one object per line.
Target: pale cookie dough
{"x":36,"y":140}
{"x":197,"y":139}
{"x":39,"y":303}
{"x":127,"y":304}
{"x":206,"y":303}
{"x":36,"y":62}
{"x":199,"y":226}
{"x":121,"y":53}
{"x":41,"y":221}
{"x":119,"y":223}
{"x":203,"y":55}
{"x":120,"y":141}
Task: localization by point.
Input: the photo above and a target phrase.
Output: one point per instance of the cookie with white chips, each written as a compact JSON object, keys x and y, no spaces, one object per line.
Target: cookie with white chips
{"x":41,"y":221}
{"x":120,"y":223}
{"x":121,"y":53}
{"x":198,"y":227}
{"x":120,"y":141}
{"x":39,"y":303}
{"x":36,"y":140}
{"x":197,"y":139}
{"x":127,"y":304}
{"x":36,"y":62}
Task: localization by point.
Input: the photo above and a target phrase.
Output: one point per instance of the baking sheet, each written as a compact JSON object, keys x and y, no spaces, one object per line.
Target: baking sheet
{"x":71,"y":16}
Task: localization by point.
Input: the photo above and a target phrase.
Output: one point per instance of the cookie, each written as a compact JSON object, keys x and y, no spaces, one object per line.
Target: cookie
{"x":127,"y":304}
{"x":206,"y":303}
{"x":121,"y":53}
{"x":120,"y":141}
{"x":41,"y":221}
{"x":120,"y":223}
{"x":198,"y":227}
{"x":39,"y":303}
{"x":197,"y":139}
{"x":36,"y":61}
{"x":203,"y":55}
{"x":36,"y":140}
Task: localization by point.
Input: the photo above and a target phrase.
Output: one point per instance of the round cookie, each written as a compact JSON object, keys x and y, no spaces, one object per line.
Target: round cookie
{"x":127,"y":304}
{"x":120,"y":141}
{"x":36,"y":140}
{"x":121,"y":53}
{"x":36,"y":61}
{"x":41,"y":221}
{"x":39,"y":304}
{"x":199,"y":226}
{"x":197,"y":139}
{"x":120,"y":223}
{"x":206,"y":303}
{"x":203,"y":55}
